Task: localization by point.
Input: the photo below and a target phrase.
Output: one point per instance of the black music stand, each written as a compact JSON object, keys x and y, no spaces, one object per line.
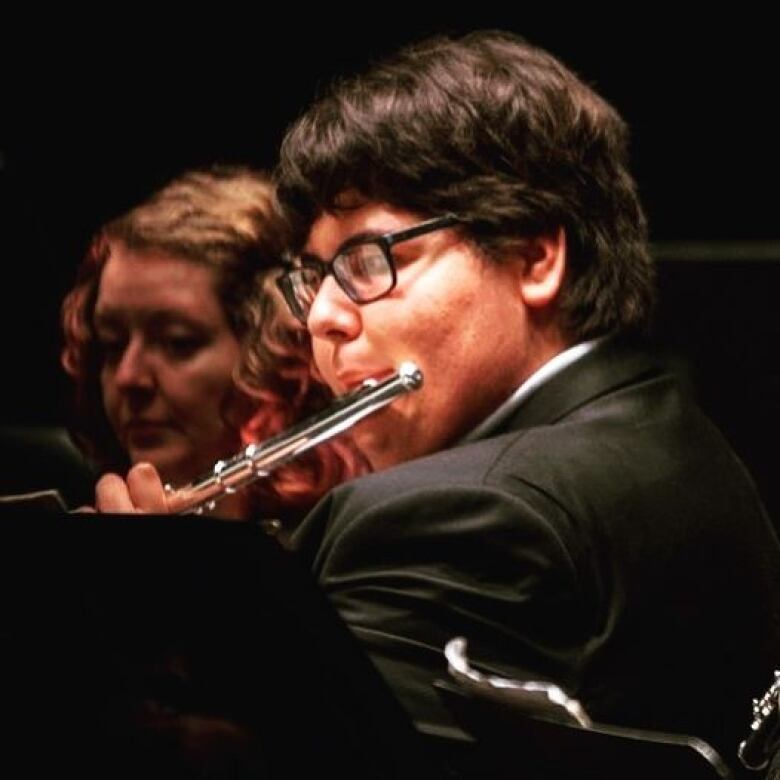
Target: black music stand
{"x":138,"y":646}
{"x":37,"y":457}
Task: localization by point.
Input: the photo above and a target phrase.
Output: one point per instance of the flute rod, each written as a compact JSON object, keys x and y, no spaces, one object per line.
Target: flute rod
{"x":259,"y":460}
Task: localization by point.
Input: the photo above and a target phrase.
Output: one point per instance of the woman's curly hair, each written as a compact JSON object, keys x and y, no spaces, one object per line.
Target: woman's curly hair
{"x":228,"y":219}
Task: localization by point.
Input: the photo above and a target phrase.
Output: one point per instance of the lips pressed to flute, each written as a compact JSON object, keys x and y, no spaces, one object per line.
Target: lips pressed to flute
{"x":259,"y":460}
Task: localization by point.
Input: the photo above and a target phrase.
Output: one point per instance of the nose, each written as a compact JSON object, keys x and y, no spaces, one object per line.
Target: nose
{"x":133,"y":370}
{"x":333,"y":316}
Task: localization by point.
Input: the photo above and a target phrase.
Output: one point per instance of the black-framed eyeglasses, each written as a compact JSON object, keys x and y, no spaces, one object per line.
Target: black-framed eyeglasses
{"x":363,"y":267}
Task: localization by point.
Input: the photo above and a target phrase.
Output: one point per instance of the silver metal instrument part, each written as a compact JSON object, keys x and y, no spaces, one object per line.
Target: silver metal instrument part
{"x":259,"y":460}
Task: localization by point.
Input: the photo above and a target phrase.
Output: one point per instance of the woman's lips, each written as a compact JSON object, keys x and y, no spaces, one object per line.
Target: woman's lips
{"x":141,"y":432}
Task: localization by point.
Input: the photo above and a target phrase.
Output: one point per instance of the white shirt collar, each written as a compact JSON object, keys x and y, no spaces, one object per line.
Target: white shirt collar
{"x":533,"y":383}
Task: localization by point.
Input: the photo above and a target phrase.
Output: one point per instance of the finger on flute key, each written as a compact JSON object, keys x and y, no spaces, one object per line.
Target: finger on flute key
{"x":146,"y":489}
{"x":112,"y":495}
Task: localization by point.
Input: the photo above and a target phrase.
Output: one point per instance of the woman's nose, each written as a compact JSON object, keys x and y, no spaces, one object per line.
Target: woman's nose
{"x":134,"y":370}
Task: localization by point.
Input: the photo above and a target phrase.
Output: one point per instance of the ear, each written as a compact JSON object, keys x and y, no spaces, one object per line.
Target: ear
{"x":542,"y":270}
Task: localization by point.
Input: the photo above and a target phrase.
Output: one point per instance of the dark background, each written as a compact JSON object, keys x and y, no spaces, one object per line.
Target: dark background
{"x":95,"y":122}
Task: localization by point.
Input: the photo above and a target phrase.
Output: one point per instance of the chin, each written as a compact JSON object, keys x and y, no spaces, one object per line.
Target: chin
{"x":380,"y":452}
{"x":385,"y":439}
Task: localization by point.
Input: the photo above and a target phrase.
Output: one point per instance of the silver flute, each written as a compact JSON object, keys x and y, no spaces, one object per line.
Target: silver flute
{"x":259,"y":460}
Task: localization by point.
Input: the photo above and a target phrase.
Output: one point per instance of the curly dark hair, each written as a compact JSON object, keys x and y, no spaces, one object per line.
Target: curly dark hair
{"x":500,"y":133}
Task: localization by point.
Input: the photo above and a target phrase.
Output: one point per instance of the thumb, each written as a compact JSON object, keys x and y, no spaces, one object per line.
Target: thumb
{"x":146,"y":489}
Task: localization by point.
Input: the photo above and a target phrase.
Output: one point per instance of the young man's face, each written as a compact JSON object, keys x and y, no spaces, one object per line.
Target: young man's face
{"x":457,"y":315}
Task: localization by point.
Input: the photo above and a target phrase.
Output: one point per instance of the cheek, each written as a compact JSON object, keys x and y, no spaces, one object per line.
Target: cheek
{"x":200,"y":395}
{"x":109,"y":395}
{"x":206,"y":394}
{"x":322,"y":365}
{"x":443,"y":331}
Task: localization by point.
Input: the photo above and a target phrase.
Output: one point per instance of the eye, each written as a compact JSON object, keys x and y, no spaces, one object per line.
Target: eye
{"x":364,"y":272}
{"x":306,"y":282}
{"x":182,"y":346}
{"x":363,"y":263}
{"x":110,"y":347}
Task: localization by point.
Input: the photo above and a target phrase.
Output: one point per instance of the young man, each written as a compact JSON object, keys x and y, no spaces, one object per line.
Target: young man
{"x":549,"y":494}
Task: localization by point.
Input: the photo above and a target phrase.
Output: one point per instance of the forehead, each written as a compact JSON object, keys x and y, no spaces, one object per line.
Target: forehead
{"x":355,"y":217}
{"x":134,"y":283}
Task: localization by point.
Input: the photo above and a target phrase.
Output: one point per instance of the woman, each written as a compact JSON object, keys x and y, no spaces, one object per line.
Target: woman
{"x":154,"y":327}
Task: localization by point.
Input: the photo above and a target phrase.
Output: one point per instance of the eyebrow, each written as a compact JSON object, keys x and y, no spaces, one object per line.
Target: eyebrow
{"x":363,"y":237}
{"x":114,"y":317}
{"x":106,"y":316}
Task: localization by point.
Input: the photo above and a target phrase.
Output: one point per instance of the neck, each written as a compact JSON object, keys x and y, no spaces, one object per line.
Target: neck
{"x":544,"y":342}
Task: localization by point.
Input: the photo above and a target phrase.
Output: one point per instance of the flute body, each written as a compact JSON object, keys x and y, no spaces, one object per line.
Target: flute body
{"x":259,"y":460}
{"x":755,"y":750}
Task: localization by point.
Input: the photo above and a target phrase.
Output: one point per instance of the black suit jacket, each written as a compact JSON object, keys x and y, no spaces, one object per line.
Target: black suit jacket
{"x":607,"y":539}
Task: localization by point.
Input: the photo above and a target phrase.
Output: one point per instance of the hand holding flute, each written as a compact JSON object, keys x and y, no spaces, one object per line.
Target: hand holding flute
{"x":143,"y":490}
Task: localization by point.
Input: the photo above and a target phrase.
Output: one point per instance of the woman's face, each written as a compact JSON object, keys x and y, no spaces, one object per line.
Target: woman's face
{"x":168,"y":356}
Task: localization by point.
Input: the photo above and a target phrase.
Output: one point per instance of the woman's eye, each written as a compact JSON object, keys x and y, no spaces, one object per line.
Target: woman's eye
{"x":110,"y":348}
{"x":182,"y":347}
